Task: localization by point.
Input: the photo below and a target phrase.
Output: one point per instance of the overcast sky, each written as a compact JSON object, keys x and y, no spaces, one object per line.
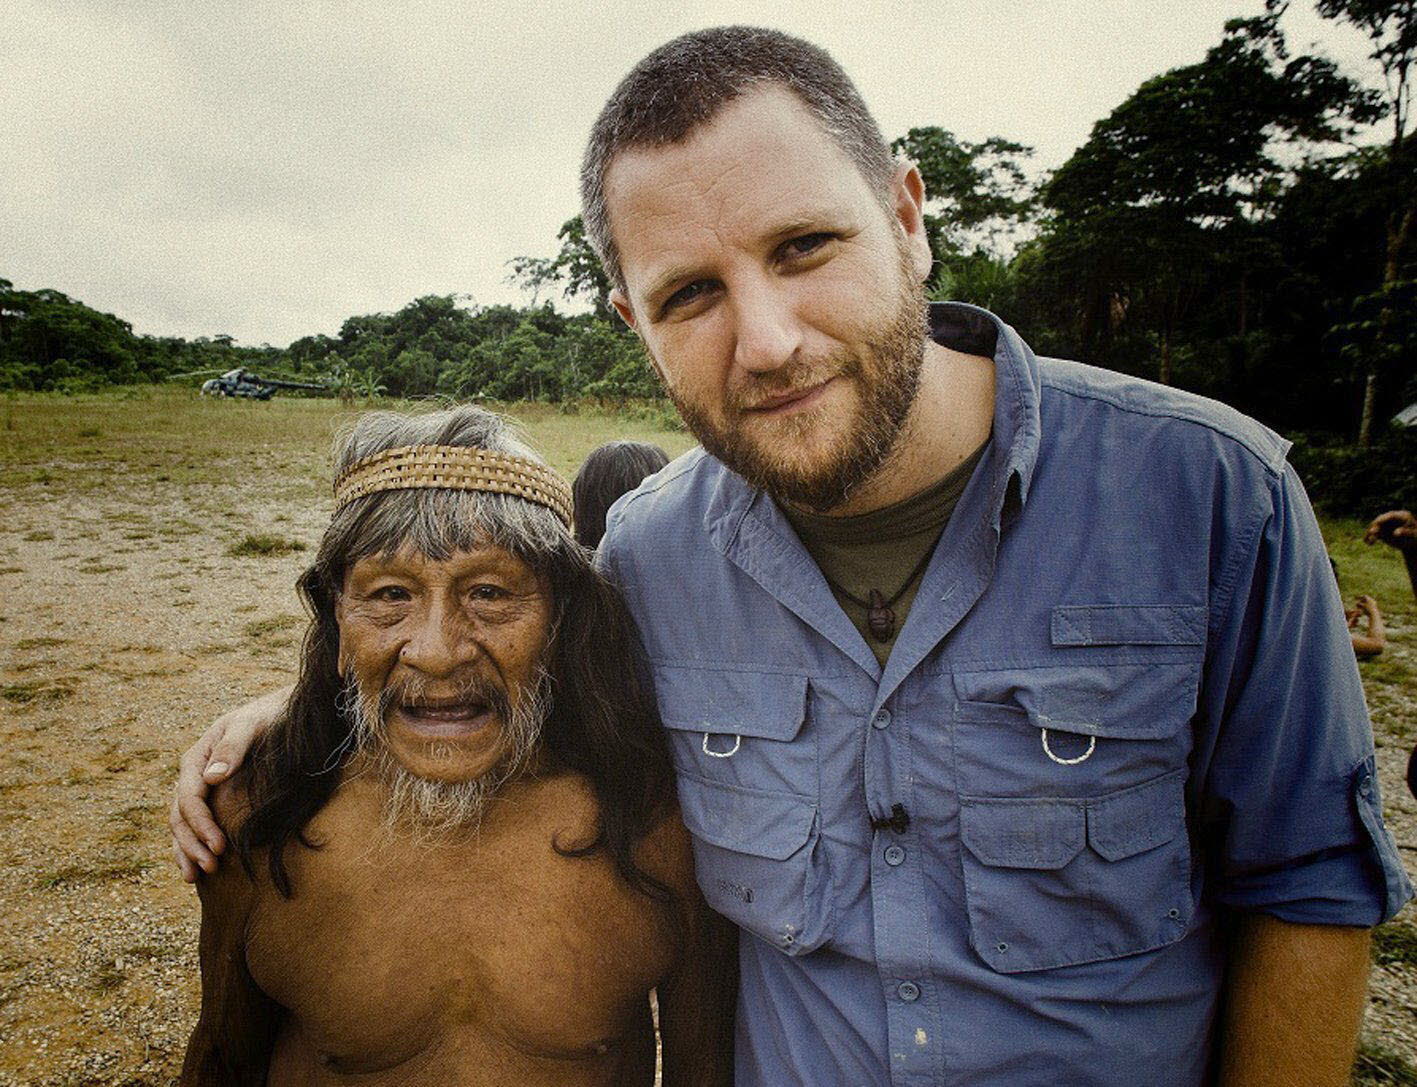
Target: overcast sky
{"x":265,"y":170}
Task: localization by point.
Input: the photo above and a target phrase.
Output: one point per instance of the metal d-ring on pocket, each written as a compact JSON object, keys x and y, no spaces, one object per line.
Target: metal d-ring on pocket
{"x":737,"y":743}
{"x":1091,"y":747}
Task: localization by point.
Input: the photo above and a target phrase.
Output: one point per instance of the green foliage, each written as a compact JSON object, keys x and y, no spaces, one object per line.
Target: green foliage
{"x":1345,"y":480}
{"x":1173,"y":186}
{"x":264,"y":545}
{"x":1395,"y":944}
{"x":1198,"y":236}
{"x":1391,"y":27}
{"x":1380,"y":333}
{"x":1379,"y":1067}
{"x":975,"y":192}
{"x":575,"y":269}
{"x":50,"y":342}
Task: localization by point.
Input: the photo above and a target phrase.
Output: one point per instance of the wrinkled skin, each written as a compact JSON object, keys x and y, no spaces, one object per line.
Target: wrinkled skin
{"x":476,"y":957}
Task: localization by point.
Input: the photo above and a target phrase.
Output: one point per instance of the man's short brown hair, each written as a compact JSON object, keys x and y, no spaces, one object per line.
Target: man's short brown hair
{"x":683,"y":84}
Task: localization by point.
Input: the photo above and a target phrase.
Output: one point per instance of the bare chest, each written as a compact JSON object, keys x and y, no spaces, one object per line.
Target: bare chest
{"x":387,"y":952}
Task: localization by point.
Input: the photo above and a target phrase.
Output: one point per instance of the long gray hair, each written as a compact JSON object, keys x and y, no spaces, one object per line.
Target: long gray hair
{"x":602,"y":722}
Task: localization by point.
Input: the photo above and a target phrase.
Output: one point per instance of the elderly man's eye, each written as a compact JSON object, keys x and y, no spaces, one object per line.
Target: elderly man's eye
{"x":390,"y":593}
{"x":485,"y":592}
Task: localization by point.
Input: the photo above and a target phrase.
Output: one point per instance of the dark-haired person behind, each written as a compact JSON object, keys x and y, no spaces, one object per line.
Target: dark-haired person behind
{"x":458,"y":854}
{"x":611,"y":470}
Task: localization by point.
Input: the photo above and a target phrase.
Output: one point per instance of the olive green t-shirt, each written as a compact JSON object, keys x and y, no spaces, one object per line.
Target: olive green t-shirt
{"x":885,"y":550}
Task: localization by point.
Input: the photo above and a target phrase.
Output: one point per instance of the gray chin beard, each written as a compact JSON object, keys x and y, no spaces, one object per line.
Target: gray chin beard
{"x":427,"y":807}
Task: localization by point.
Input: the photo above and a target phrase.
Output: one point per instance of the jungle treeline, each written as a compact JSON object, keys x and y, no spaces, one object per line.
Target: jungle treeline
{"x":1241,"y":227}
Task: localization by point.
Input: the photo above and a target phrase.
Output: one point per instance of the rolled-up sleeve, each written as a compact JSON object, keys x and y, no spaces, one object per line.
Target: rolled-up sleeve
{"x":1290,"y":812}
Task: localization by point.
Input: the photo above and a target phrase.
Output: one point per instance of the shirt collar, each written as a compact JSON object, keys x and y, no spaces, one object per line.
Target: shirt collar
{"x":1017,"y":390}
{"x":1017,"y":387}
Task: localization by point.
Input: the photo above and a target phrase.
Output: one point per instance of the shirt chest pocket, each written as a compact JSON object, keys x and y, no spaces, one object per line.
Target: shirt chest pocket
{"x":1071,"y":781}
{"x":741,"y":728}
{"x":746,"y":757}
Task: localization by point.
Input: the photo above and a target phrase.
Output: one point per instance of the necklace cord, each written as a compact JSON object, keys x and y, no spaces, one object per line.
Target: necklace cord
{"x":909,"y":581}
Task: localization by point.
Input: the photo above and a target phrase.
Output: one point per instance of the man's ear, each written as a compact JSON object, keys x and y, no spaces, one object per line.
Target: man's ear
{"x":622,"y":307}
{"x":908,"y":205}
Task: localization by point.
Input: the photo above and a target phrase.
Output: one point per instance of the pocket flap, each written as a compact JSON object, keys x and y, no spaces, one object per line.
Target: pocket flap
{"x":1111,"y":701}
{"x":1007,"y":832}
{"x":766,"y":705}
{"x":765,"y":824}
{"x":1128,"y":624}
{"x":1134,"y":820}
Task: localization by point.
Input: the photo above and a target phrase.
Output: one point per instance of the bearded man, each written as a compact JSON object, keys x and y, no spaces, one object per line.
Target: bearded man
{"x":460,"y":861}
{"x":1013,"y":709}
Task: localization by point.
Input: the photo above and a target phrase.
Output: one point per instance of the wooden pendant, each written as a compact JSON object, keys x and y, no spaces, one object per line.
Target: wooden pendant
{"x":880,"y":618}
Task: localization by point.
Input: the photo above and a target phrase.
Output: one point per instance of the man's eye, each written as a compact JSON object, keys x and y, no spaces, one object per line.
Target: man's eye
{"x":390,"y":593}
{"x":684,"y":295}
{"x":484,"y":593}
{"x":805,"y":245}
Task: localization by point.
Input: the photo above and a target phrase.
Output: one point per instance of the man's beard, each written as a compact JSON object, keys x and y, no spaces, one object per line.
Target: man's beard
{"x":429,"y":807}
{"x":887,"y":379}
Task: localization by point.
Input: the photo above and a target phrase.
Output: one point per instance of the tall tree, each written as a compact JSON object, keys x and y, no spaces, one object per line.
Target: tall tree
{"x":1391,"y":27}
{"x":975,"y":193}
{"x":575,"y":270}
{"x":1176,"y":174}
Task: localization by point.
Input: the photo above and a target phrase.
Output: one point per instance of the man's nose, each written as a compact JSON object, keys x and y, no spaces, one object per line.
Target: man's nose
{"x":440,"y":641}
{"x":768,"y":333}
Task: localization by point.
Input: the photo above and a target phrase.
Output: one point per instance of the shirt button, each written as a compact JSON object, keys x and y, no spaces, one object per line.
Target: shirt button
{"x":1365,"y":786}
{"x":908,"y":991}
{"x":894,"y":855}
{"x":882,"y":719}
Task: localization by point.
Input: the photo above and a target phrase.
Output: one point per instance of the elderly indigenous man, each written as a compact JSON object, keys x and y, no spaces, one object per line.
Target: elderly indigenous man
{"x":460,"y":858}
{"x":1014,"y":714}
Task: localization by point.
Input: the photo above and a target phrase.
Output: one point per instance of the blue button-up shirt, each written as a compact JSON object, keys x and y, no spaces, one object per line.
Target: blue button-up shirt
{"x":1124,"y":698}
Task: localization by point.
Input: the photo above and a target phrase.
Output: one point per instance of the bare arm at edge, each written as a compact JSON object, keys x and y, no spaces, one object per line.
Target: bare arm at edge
{"x":1397,"y":528}
{"x":196,"y":837}
{"x":237,"y":1029}
{"x":1375,"y":641}
{"x":1294,"y":997}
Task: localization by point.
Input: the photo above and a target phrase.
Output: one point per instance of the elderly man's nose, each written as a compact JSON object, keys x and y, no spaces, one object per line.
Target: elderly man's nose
{"x":767,"y":331}
{"x":439,"y":644}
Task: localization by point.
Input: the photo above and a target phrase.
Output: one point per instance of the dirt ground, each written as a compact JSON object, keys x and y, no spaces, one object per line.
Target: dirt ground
{"x":130,"y":614}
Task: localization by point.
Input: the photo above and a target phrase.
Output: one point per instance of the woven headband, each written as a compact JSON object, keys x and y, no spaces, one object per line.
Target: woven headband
{"x":458,"y":468}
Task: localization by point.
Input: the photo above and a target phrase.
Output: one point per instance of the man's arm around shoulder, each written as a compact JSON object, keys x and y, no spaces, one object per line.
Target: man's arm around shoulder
{"x":233,"y":1038}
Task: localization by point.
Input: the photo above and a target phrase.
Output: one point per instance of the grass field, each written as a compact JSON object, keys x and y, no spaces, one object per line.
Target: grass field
{"x":149,"y":542}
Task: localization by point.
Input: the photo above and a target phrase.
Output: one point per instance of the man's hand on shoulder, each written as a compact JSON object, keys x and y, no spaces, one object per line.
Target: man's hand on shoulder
{"x":197,"y":837}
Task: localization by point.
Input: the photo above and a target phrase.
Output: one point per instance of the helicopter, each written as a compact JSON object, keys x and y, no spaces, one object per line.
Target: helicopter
{"x":242,"y":382}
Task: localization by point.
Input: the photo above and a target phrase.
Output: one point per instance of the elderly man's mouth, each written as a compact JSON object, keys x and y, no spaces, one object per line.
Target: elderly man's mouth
{"x":444,"y":719}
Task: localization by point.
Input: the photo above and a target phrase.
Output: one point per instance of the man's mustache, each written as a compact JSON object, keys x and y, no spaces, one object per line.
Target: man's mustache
{"x":418,"y":692}
{"x":791,"y":379}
